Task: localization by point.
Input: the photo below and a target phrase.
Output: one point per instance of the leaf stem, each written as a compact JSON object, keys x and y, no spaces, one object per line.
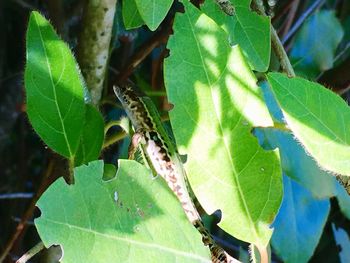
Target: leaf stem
{"x":70,"y":179}
{"x":31,"y":253}
{"x":276,"y":42}
{"x":94,"y":42}
{"x":113,"y":139}
{"x":110,"y":125}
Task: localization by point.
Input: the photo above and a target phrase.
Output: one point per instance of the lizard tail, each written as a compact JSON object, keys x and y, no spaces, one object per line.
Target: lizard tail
{"x":218,"y":255}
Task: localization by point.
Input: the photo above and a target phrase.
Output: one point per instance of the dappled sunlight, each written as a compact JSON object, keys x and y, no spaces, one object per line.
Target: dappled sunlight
{"x":306,"y":110}
{"x":221,"y":105}
{"x":210,"y":44}
{"x":212,"y":67}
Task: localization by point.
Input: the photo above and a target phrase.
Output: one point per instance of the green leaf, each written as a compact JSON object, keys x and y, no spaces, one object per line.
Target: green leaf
{"x":92,"y":137}
{"x":227,"y":23}
{"x":298,"y":165}
{"x":246,"y":28}
{"x":299,"y":224}
{"x":127,"y":219}
{"x":216,"y":102}
{"x":252,"y":33}
{"x":54,"y":90}
{"x":153,"y":11}
{"x":318,"y":118}
{"x":315,"y":44}
{"x":131,"y":15}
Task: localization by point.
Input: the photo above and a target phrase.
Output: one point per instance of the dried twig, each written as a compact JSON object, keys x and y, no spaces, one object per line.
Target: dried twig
{"x":144,"y":50}
{"x":291,"y":16}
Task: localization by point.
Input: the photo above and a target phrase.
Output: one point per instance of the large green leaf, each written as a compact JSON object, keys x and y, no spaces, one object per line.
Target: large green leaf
{"x":315,"y":44}
{"x":299,"y":224}
{"x":318,"y":118}
{"x":216,"y":102}
{"x":153,"y":11}
{"x":92,"y":137}
{"x":131,"y":15}
{"x":130,"y":218}
{"x":54,"y":90}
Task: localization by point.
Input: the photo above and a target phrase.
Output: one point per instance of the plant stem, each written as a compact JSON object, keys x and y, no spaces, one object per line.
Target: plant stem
{"x":110,"y":125}
{"x":276,"y":42}
{"x":113,"y":139}
{"x":31,"y":253}
{"x":94,"y":42}
{"x":160,"y":37}
{"x":70,"y":179}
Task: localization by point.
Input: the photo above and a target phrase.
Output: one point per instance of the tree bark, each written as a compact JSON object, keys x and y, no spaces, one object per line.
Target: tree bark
{"x":94,"y":42}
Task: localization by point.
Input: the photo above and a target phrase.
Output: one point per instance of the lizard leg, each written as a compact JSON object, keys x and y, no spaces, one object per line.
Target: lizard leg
{"x":137,"y":141}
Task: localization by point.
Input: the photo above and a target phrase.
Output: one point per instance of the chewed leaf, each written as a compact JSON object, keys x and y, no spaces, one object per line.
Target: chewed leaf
{"x":54,"y":90}
{"x":216,"y":103}
{"x":129,"y":218}
{"x":318,"y":118}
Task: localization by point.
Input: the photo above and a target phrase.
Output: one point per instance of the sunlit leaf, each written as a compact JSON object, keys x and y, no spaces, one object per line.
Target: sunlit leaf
{"x":246,"y":28}
{"x":318,"y":118}
{"x":130,"y":218}
{"x":216,"y":102}
{"x":299,"y":224}
{"x":54,"y":90}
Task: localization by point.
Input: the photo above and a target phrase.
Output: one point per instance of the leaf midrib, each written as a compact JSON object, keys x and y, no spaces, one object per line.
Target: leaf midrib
{"x":131,"y":241}
{"x":54,"y":90}
{"x":221,"y":131}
